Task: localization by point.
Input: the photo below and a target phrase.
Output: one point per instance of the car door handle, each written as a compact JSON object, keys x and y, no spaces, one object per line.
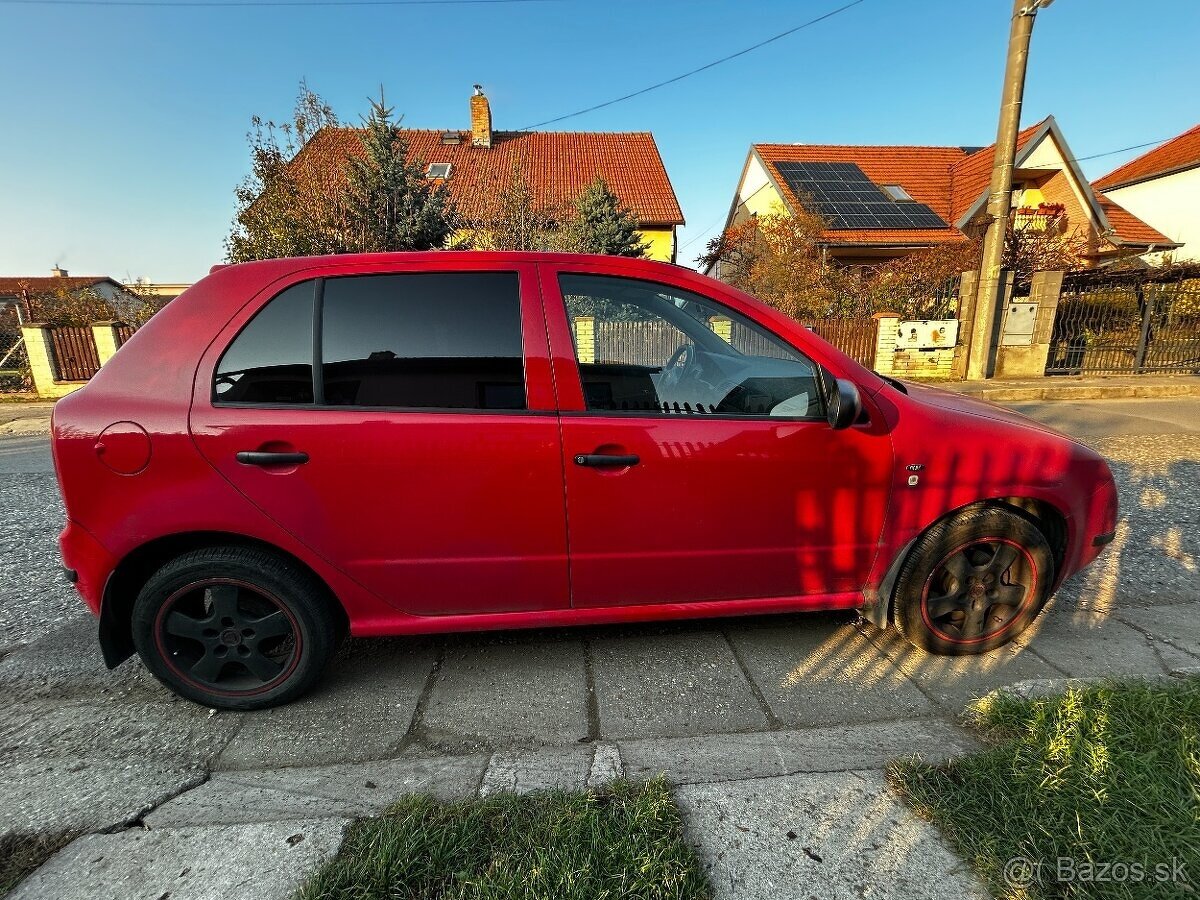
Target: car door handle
{"x":606,"y":459}
{"x":271,"y":458}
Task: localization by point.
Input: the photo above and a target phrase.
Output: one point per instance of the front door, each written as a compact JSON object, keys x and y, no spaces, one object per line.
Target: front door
{"x":699,"y":464}
{"x":420,"y":453}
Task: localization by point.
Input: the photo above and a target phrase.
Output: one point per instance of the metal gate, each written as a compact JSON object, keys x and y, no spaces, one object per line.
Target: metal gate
{"x":14,"y":362}
{"x":75,"y":356}
{"x":1127,"y":323}
{"x":854,"y":337}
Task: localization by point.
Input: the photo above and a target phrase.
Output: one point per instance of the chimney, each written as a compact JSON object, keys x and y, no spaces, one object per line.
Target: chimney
{"x":58,"y":271}
{"x":481,"y":119}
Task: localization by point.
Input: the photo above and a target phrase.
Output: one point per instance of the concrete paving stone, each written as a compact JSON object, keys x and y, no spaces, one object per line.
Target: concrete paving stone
{"x":1178,"y":624}
{"x":81,"y":765}
{"x":54,"y":794}
{"x":1173,"y":659}
{"x":67,"y":662}
{"x":267,"y":861}
{"x":171,"y":733}
{"x":840,"y":836}
{"x":352,"y":791}
{"x":954,"y":681}
{"x":526,"y":770}
{"x":1084,"y":645}
{"x":673,"y":683}
{"x":606,"y":765}
{"x":499,"y":690}
{"x":360,"y":711}
{"x":731,"y":757}
{"x":825,"y":673}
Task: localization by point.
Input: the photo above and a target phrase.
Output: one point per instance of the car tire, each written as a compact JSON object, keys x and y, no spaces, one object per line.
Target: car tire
{"x":235,"y":627}
{"x":973,"y":582}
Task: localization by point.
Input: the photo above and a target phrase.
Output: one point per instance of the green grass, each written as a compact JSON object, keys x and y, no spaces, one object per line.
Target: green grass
{"x":20,"y":854}
{"x":625,"y":841}
{"x":1108,"y":773}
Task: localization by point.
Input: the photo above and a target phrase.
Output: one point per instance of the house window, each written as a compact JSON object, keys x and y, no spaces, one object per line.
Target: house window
{"x":438,"y":170}
{"x":897,"y":193}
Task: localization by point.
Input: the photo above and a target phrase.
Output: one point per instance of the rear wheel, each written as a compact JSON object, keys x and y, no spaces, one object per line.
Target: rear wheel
{"x":974,"y":582}
{"x":235,"y":628}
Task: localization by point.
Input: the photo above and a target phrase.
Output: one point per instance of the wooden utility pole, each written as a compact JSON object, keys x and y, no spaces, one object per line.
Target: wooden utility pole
{"x":979,"y":349}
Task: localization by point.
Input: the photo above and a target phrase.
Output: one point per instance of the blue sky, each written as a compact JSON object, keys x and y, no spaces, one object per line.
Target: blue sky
{"x":125,"y":126}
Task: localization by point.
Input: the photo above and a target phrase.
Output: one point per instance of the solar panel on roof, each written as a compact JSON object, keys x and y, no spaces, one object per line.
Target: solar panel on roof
{"x":846,"y":198}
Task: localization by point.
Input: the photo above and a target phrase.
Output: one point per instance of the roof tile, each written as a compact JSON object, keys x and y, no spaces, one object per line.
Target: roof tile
{"x":556,"y":165}
{"x":1181,"y":152}
{"x":15,"y":285}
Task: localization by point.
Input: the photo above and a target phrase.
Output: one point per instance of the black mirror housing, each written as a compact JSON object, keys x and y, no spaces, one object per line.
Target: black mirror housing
{"x":843,"y":403}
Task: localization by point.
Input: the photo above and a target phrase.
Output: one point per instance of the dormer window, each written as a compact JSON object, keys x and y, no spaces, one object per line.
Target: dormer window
{"x":438,"y":170}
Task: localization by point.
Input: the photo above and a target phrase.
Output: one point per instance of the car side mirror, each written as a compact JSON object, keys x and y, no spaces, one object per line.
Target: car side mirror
{"x":842,"y":403}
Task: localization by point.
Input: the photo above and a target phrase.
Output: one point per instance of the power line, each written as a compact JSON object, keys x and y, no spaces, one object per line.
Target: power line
{"x":1123,"y":149}
{"x":700,"y":234}
{"x":167,"y":4}
{"x":696,"y":71}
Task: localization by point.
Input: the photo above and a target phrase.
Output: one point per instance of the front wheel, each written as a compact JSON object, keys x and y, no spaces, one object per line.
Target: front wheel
{"x":234,"y":628}
{"x":974,"y":582}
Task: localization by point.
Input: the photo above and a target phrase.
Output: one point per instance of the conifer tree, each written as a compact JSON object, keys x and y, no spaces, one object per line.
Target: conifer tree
{"x":603,"y":224}
{"x":390,"y":204}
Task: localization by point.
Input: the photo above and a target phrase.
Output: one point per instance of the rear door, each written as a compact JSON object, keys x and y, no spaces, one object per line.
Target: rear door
{"x":699,"y":464}
{"x":401,"y":423}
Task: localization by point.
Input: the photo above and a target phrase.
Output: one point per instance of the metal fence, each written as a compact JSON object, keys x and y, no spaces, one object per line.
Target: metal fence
{"x":75,"y":356}
{"x":14,"y":361}
{"x":1129,"y":322}
{"x":651,"y":343}
{"x":641,"y":343}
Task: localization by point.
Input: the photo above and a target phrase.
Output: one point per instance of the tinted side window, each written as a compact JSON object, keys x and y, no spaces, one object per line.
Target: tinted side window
{"x":424,"y":340}
{"x":648,"y":348}
{"x":270,"y":361}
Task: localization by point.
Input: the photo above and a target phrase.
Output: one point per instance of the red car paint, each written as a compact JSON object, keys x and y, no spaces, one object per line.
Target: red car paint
{"x":443,"y":521}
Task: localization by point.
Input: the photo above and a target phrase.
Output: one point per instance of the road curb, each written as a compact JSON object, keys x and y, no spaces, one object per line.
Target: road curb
{"x":1053,"y":389}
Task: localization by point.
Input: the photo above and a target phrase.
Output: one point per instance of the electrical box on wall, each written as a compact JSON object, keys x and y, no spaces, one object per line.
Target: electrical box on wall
{"x":927,"y":334}
{"x":1019,"y":321}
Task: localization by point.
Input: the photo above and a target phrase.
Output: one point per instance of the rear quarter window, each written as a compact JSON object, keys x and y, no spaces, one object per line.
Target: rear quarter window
{"x":270,"y":361}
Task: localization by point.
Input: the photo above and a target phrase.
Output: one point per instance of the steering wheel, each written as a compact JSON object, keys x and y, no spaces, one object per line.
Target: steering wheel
{"x":672,"y":373}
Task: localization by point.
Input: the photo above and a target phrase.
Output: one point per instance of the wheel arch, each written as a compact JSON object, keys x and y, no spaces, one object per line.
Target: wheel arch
{"x":126,"y":580}
{"x":1048,"y":518}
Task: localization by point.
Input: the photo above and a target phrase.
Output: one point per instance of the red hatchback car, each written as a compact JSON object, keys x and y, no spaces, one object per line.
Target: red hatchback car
{"x":403,"y":443}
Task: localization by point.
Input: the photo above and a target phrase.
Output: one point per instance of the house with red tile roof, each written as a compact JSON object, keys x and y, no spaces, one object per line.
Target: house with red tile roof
{"x":479,"y":164}
{"x":1163,"y":186}
{"x":884,"y":202}
{"x":16,"y":290}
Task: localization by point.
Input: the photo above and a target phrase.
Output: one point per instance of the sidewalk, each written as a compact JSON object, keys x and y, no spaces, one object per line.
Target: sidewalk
{"x":768,"y":812}
{"x":22,"y":418}
{"x":1078,"y":387}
